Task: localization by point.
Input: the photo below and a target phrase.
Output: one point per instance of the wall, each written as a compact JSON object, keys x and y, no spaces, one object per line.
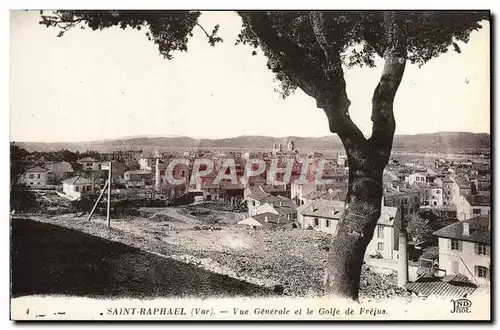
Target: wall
{"x":387,"y":240}
{"x":252,"y":205}
{"x":38,"y":179}
{"x":466,"y":259}
{"x":309,"y":221}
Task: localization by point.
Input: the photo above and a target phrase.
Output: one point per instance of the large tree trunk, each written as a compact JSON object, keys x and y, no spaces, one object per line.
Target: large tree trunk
{"x":354,"y":232}
{"x":367,"y":160}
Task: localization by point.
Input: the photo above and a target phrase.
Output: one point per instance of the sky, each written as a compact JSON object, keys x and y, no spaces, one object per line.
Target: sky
{"x":94,"y":85}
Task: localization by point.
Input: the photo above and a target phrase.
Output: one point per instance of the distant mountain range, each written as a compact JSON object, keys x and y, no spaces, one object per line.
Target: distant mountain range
{"x":442,"y":142}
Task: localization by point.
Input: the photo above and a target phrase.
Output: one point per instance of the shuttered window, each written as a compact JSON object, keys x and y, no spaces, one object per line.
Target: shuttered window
{"x":480,"y":249}
{"x":481,"y":271}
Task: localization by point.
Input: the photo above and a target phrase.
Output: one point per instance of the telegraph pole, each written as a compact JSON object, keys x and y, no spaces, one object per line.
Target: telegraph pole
{"x":108,"y":218}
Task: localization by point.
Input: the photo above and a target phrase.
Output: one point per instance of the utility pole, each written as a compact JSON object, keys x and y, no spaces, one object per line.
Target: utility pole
{"x":109,"y":195}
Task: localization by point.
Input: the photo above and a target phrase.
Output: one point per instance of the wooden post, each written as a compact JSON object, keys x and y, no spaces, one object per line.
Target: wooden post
{"x":97,"y":202}
{"x":108,"y":218}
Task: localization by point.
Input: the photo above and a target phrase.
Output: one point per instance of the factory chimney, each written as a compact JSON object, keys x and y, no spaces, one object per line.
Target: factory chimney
{"x":157,"y":173}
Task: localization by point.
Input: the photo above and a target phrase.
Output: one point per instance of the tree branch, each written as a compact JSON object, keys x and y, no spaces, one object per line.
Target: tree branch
{"x":384,"y":124}
{"x":291,"y":57}
{"x":333,"y":98}
{"x":206,"y":33}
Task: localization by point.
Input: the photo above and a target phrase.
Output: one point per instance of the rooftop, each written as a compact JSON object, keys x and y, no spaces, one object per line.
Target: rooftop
{"x":87,"y":159}
{"x":62,"y":167}
{"x":77,"y":180}
{"x":479,"y":231}
{"x":478,"y":200}
{"x":36,"y":169}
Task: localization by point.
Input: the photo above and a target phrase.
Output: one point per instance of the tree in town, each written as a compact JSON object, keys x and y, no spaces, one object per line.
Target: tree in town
{"x":68,"y":156}
{"x":309,"y":50}
{"x":418,"y":228}
{"x":18,"y":162}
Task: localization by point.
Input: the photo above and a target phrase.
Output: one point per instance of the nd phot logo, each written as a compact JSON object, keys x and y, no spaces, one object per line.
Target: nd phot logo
{"x":461,"y":305}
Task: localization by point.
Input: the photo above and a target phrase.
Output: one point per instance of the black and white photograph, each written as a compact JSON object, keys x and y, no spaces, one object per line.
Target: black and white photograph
{"x":250,"y":165}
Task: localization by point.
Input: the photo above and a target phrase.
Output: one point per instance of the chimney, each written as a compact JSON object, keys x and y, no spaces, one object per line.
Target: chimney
{"x":403,"y":259}
{"x":466,"y":229}
{"x":157,"y":175}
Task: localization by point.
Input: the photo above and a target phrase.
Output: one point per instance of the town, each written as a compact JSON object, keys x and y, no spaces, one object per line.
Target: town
{"x":443,"y":203}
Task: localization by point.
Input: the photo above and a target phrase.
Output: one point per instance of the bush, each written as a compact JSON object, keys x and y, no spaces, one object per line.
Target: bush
{"x":23,"y":201}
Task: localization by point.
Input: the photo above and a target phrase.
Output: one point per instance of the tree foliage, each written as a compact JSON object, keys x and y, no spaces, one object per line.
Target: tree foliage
{"x":18,"y":162}
{"x":418,"y":228}
{"x":289,"y":39}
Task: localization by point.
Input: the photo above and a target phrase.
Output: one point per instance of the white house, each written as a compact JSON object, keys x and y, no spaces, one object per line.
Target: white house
{"x":90,"y":164}
{"x":75,"y":187}
{"x":323,"y":215}
{"x":415,"y":177}
{"x":266,"y":219}
{"x":469,"y":206}
{"x":436,"y":195}
{"x":385,"y":241}
{"x":35,"y":177}
{"x":465,"y":248}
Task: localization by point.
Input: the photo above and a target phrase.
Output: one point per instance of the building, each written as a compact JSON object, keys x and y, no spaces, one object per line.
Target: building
{"x":267,"y":220}
{"x":403,"y":197}
{"x":415,"y":177}
{"x":320,"y":214}
{"x":58,"y":172}
{"x":461,"y":186}
{"x":342,"y":159}
{"x":323,"y":215}
{"x":281,"y":206}
{"x":258,"y":198}
{"x":36,"y":177}
{"x":436,"y":195}
{"x":385,"y":241}
{"x":425,"y":192}
{"x":465,"y":248}
{"x":138,"y":178}
{"x":77,"y":186}
{"x":90,"y":164}
{"x":128,"y":157}
{"x":448,"y":192}
{"x":469,"y":206}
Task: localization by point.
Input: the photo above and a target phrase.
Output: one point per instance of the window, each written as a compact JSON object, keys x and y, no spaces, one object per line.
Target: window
{"x":455,"y":244}
{"x":327,"y":222}
{"x":76,"y":188}
{"x":316,"y":222}
{"x":380,"y":246}
{"x":438,"y":192}
{"x":380,"y":232}
{"x":38,"y":176}
{"x":31,"y":183}
{"x":32,"y":176}
{"x":480,"y":249}
{"x":481,"y":271}
{"x":406,"y":201}
{"x":253,"y":203}
{"x":476,"y":211}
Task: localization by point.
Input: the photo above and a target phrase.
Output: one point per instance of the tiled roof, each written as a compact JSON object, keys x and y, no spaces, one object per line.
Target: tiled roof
{"x":87,"y":159}
{"x":479,"y":231}
{"x":36,"y":169}
{"x":478,"y":200}
{"x":62,"y":167}
{"x":139,"y":172}
{"x":457,"y":286}
{"x":462,"y":182}
{"x":258,"y":195}
{"x":77,"y":180}
{"x":271,"y":219}
{"x":324,"y":209}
